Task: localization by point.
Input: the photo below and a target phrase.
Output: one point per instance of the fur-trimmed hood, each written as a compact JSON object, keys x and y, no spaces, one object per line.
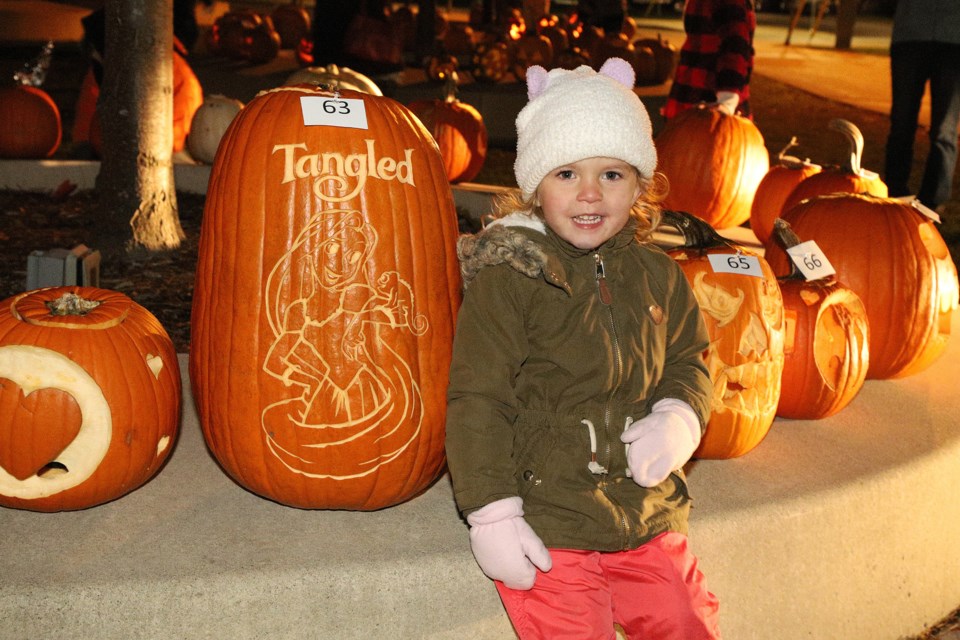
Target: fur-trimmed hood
{"x":501,"y":242}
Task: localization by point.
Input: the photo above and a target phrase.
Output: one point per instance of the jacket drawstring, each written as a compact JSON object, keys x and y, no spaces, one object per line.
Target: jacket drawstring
{"x":626,"y":447}
{"x":594,"y":466}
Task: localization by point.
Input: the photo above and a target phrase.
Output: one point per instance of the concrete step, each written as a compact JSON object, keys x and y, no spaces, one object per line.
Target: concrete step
{"x":842,"y":528}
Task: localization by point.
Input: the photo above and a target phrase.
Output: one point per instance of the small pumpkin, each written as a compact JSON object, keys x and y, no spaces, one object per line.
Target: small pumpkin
{"x":848,"y":177}
{"x":210,"y":122}
{"x":90,"y":399}
{"x":230,"y":32}
{"x":714,"y":162}
{"x":327,"y":286}
{"x":458,"y":129}
{"x":292,"y":22}
{"x":896,"y":261}
{"x":31,"y":123}
{"x":773,"y":190}
{"x":262,"y":42}
{"x":745,"y":320}
{"x":826,"y":335}
{"x":529,"y":50}
{"x":664,"y":53}
{"x":491,"y":61}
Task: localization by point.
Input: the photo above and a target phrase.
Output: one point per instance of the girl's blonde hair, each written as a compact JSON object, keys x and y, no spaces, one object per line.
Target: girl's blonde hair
{"x":646,"y":210}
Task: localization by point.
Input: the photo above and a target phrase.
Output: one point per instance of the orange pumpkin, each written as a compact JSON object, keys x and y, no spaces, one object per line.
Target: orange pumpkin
{"x":292,"y":22}
{"x":326,"y":291}
{"x":31,"y":123}
{"x":849,"y":177}
{"x":665,"y":54}
{"x":896,"y":261}
{"x":459,"y":131}
{"x":825,"y":341}
{"x":491,"y":61}
{"x":714,"y":162}
{"x":90,"y":399}
{"x":744,"y":317}
{"x":529,"y":50}
{"x":773,"y":190}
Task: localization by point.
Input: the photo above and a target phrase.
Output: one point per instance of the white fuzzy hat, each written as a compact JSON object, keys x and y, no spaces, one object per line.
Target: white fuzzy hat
{"x":578,"y":114}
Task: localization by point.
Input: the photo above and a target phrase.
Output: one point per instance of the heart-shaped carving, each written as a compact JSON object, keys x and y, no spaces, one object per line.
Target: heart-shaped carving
{"x":34,"y":429}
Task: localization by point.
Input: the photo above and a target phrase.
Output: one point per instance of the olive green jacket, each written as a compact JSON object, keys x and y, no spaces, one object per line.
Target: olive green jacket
{"x":556,"y":350}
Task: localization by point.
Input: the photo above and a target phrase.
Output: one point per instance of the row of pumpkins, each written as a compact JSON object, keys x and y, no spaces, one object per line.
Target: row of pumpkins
{"x":798,"y":348}
{"x":318,"y":366}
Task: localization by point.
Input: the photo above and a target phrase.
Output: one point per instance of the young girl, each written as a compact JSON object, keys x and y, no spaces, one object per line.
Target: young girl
{"x":577,"y":388}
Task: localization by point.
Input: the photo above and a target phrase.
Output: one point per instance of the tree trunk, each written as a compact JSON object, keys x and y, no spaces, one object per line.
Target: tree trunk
{"x":135,"y":182}
{"x":846,"y":17}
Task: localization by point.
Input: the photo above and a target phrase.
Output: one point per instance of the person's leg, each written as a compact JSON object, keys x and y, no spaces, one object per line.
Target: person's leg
{"x":569,"y":601}
{"x":944,"y":117}
{"x":908,"y":76}
{"x":658,"y":592}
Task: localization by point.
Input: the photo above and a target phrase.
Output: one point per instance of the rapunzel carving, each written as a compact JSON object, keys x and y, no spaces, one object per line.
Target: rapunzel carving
{"x":328,"y":312}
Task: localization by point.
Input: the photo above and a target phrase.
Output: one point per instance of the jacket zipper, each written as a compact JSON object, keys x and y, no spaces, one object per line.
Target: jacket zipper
{"x":607,"y":299}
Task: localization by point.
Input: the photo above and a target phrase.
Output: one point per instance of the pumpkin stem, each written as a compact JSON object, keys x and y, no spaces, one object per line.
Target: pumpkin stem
{"x":787,"y":237}
{"x":697,"y":233}
{"x":854,"y":139}
{"x":450,"y":87}
{"x":70,"y":304}
{"x":791,"y":162}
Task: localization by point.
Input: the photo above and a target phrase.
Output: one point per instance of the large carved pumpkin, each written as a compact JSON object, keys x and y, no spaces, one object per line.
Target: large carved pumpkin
{"x":825,"y":341}
{"x":89,"y":398}
{"x":773,"y":190}
{"x":896,"y":261}
{"x":31,"y":123}
{"x":326,"y":291}
{"x":459,"y":131}
{"x":744,"y":317}
{"x":714,"y":162}
{"x":847,"y":177}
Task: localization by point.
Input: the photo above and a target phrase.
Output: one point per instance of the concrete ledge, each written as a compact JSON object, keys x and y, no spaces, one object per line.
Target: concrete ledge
{"x":841,"y":528}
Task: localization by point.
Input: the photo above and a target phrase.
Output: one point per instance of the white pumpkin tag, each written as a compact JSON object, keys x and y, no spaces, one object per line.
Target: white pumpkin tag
{"x":333,"y":111}
{"x":810,"y":260}
{"x":740,"y":263}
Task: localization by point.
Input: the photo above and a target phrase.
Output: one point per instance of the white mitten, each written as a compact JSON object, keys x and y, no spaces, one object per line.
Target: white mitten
{"x":661,"y":442}
{"x":505,"y":546}
{"x":728,"y":101}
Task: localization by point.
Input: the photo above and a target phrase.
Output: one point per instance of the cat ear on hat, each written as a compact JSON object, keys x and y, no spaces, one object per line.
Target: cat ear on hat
{"x":536,"y":81}
{"x":620,"y":70}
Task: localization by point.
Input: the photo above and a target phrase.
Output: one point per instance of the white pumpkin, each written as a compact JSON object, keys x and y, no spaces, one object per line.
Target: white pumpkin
{"x":209,"y":123}
{"x":343,"y":77}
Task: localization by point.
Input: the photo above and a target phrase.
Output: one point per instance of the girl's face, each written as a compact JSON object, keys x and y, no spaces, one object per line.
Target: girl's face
{"x":588,"y":202}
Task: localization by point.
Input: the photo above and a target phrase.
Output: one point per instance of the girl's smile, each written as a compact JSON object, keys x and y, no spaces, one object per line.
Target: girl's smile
{"x":588,"y":202}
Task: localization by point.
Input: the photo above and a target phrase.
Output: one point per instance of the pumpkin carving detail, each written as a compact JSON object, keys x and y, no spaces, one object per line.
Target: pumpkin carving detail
{"x":89,"y":398}
{"x":744,"y":318}
{"x":318,"y":358}
{"x":825,"y":346}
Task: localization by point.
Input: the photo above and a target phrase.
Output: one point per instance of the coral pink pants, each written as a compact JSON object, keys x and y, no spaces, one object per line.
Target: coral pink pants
{"x":654,"y":592}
